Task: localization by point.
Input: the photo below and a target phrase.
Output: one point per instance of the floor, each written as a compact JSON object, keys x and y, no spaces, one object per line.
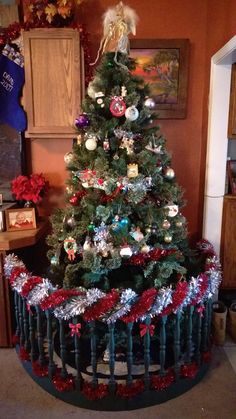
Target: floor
{"x":213,"y":398}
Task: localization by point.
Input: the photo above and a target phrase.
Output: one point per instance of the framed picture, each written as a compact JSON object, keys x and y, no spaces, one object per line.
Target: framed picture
{"x":231,"y":171}
{"x":20,"y":219}
{"x":163,"y":63}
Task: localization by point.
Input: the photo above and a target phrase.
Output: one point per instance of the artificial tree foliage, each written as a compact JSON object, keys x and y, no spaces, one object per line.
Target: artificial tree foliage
{"x":116,"y":224}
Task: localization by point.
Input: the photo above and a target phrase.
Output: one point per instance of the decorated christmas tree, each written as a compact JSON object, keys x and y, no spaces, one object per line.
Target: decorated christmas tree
{"x":122,"y":226}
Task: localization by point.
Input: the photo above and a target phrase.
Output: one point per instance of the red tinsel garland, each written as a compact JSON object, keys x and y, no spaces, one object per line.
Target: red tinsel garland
{"x":127,"y":391}
{"x":203,"y":285}
{"x":58,"y":297}
{"x":30,"y":284}
{"x":154,"y":255}
{"x":177,"y":298}
{"x":189,"y":371}
{"x":23,"y":354}
{"x":15,"y":273}
{"x":15,"y":340}
{"x":159,"y":382}
{"x":142,"y":306}
{"x":94,"y":393}
{"x":63,"y":384}
{"x":40,"y":371}
{"x":100,"y":308}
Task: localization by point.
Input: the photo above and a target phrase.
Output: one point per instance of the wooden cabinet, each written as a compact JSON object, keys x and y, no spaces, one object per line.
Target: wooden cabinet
{"x":228,"y":242}
{"x":232,"y":105}
{"x":52,"y":94}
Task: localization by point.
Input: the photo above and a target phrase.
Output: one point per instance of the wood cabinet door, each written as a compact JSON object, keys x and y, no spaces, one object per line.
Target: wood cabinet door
{"x":228,"y":242}
{"x":232,"y":105}
{"x":52,"y":94}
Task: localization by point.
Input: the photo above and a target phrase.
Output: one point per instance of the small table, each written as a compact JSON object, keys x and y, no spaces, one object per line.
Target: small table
{"x":9,"y":241}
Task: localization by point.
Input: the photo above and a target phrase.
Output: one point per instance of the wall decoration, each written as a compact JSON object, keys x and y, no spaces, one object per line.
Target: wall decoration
{"x":164,"y":65}
{"x":20,"y":219}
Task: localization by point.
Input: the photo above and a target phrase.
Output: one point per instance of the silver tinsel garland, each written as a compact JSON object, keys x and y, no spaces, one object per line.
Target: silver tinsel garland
{"x":163,"y":299}
{"x":127,"y":298}
{"x":12,"y":261}
{"x":40,"y":291}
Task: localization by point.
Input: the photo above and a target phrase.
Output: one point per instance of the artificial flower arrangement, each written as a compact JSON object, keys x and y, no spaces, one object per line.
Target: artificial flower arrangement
{"x":57,"y":13}
{"x":29,"y":188}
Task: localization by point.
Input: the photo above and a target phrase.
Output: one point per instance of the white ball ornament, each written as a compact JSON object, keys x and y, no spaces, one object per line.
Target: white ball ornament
{"x":150,"y":103}
{"x":131,"y":113}
{"x":91,"y":143}
{"x":172,"y":210}
{"x":168,"y":238}
{"x":126,"y":251}
{"x":169,"y":173}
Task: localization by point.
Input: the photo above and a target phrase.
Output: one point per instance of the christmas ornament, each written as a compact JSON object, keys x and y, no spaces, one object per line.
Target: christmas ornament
{"x":73,"y":200}
{"x":82,"y":121}
{"x":132,"y":113}
{"x":79,"y":139}
{"x":91,"y":227}
{"x":166,"y":224}
{"x":123,"y":91}
{"x":70,"y":247}
{"x":117,"y":106}
{"x":169,"y":173}
{"x":106,"y":145}
{"x":115,"y":223}
{"x":148,"y":182}
{"x":69,"y":189}
{"x":179,"y":223}
{"x":137,"y":234}
{"x":148,"y":229}
{"x":68,"y":158}
{"x":71,"y":222}
{"x":91,"y":142}
{"x":149,"y":103}
{"x":159,"y":166}
{"x":127,"y":143}
{"x":154,"y":228}
{"x":126,"y":251}
{"x":54,"y":260}
{"x":124,"y":222}
{"x":100,"y":99}
{"x":172,"y":210}
{"x":87,"y":244}
{"x":145,"y":248}
{"x":132,"y":170}
{"x":168,"y":238}
{"x":116,"y":156}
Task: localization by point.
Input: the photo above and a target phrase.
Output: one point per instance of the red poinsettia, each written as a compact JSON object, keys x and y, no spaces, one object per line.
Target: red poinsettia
{"x":29,"y":188}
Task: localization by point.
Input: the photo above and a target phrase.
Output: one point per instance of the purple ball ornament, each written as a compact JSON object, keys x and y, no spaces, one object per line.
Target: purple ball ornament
{"x":82,"y":121}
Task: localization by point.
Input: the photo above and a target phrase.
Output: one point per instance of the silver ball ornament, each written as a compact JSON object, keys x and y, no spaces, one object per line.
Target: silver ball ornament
{"x":168,"y":238}
{"x":150,"y":103}
{"x":131,"y":113}
{"x":169,"y":173}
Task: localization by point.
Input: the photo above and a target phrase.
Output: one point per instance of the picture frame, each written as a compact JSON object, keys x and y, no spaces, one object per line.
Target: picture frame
{"x":231,"y":172}
{"x":19,"y":219}
{"x":164,"y":63}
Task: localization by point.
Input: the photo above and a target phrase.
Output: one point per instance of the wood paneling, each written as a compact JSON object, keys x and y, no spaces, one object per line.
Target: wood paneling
{"x":53,"y":81}
{"x":8,"y":14}
{"x":228,"y":242}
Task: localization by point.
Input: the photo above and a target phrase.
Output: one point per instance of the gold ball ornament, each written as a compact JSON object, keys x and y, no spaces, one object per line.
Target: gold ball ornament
{"x":179,"y":223}
{"x":169,"y":173}
{"x":148,"y":229}
{"x":168,"y":238}
{"x":79,"y":139}
{"x":145,"y":248}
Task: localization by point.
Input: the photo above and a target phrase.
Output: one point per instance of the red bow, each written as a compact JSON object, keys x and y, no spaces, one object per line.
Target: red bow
{"x":200,"y":310}
{"x":144,"y":328}
{"x":75,"y":329}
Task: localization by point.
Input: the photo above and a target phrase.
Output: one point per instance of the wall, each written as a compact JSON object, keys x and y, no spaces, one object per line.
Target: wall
{"x":185,"y":138}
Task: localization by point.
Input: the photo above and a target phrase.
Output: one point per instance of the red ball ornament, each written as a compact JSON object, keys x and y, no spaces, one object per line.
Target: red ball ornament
{"x":73,"y":200}
{"x":118,"y":106}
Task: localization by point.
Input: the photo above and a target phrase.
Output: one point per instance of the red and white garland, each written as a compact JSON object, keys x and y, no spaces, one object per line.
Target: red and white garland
{"x":126,"y":305}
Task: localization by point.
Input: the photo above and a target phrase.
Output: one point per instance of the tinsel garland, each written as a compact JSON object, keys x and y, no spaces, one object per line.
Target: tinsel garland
{"x":189,"y":370}
{"x":39,"y":370}
{"x":128,"y":391}
{"x":101,"y":307}
{"x":58,"y":297}
{"x":156,"y":254}
{"x":23,"y":354}
{"x":159,"y":382}
{"x":118,"y":304}
{"x":63,"y":384}
{"x":143,"y":304}
{"x":94,"y":393}
{"x":30,"y":284}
